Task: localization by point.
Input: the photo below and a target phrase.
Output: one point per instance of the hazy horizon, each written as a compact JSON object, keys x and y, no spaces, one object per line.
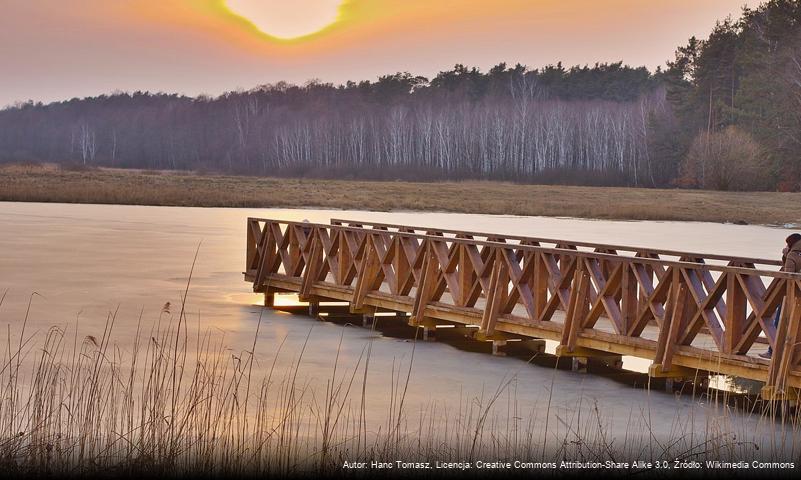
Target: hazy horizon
{"x":55,"y":51}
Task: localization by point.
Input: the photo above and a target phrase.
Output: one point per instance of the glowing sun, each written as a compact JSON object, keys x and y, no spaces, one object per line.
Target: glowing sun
{"x":287,"y":19}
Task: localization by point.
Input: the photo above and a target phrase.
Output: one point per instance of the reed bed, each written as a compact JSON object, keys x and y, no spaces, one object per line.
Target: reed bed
{"x":51,"y":183}
{"x":179,"y":402}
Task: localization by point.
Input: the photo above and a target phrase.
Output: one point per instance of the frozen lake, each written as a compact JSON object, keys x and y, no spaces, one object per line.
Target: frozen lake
{"x":85,"y":261}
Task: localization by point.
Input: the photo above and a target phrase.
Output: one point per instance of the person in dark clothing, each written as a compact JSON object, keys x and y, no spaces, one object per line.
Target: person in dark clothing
{"x":791,"y":263}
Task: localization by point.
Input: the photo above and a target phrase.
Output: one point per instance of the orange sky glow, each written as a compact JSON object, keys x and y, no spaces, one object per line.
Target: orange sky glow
{"x":53,"y":49}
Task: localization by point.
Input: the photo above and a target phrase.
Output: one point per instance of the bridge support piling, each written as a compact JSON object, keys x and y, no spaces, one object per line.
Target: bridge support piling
{"x":368,"y":320}
{"x":535,"y":345}
{"x":314,"y":308}
{"x":360,"y":310}
{"x":497,"y":348}
{"x":677,"y":374}
{"x":774,"y":394}
{"x":269,"y":299}
{"x":367,"y":314}
{"x":499,"y":341}
{"x":580,"y":357}
{"x":579,"y":364}
{"x":428,"y":325}
{"x":465,"y":330}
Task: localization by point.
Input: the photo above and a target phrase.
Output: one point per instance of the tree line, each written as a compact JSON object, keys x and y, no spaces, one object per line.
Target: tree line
{"x":725,"y":114}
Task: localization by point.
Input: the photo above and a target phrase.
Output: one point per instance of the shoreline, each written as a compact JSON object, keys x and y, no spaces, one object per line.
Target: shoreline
{"x":51,"y":184}
{"x":787,"y":226}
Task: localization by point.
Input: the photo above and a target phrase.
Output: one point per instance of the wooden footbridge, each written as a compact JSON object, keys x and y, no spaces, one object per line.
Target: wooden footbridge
{"x":686,"y":312}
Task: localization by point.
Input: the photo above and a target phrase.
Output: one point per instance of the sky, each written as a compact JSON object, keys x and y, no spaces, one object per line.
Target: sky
{"x":60,"y":49}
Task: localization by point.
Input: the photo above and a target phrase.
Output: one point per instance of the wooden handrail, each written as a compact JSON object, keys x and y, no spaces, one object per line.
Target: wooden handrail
{"x":581,"y":253}
{"x":600,"y":246}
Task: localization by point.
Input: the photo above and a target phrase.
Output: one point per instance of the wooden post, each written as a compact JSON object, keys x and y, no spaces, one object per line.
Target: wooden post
{"x":629,"y":305}
{"x":263,"y":257}
{"x":735,"y":313}
{"x":774,"y":377}
{"x":425,"y":287}
{"x":785,"y":354}
{"x":465,"y":278}
{"x":495,"y":297}
{"x":670,"y":328}
{"x":367,"y":276}
{"x":251,"y":243}
{"x":540,"y":287}
{"x":577,"y":309}
{"x":490,"y":295}
{"x":312,"y":270}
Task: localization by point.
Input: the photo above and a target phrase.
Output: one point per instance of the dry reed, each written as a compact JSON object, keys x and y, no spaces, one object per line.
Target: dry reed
{"x":33,"y":183}
{"x":180,"y":404}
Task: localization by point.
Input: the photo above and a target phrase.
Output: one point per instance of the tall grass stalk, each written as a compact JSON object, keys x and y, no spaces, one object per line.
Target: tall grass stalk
{"x":175,"y":403}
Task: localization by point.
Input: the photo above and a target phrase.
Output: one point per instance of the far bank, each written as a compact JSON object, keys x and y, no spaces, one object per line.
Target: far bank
{"x":167,"y":188}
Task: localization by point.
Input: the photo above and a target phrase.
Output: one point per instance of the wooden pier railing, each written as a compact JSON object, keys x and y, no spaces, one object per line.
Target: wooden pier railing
{"x":691,"y":312}
{"x":683,"y":256}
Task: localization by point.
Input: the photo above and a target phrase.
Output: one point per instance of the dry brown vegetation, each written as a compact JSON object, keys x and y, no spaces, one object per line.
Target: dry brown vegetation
{"x":43,"y":183}
{"x":179,"y":402}
{"x":727,"y":160}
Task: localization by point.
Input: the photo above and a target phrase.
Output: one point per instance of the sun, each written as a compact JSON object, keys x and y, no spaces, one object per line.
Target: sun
{"x":287,"y":19}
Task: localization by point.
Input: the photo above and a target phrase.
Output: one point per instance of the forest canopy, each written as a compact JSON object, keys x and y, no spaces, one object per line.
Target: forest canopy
{"x":725,"y":113}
